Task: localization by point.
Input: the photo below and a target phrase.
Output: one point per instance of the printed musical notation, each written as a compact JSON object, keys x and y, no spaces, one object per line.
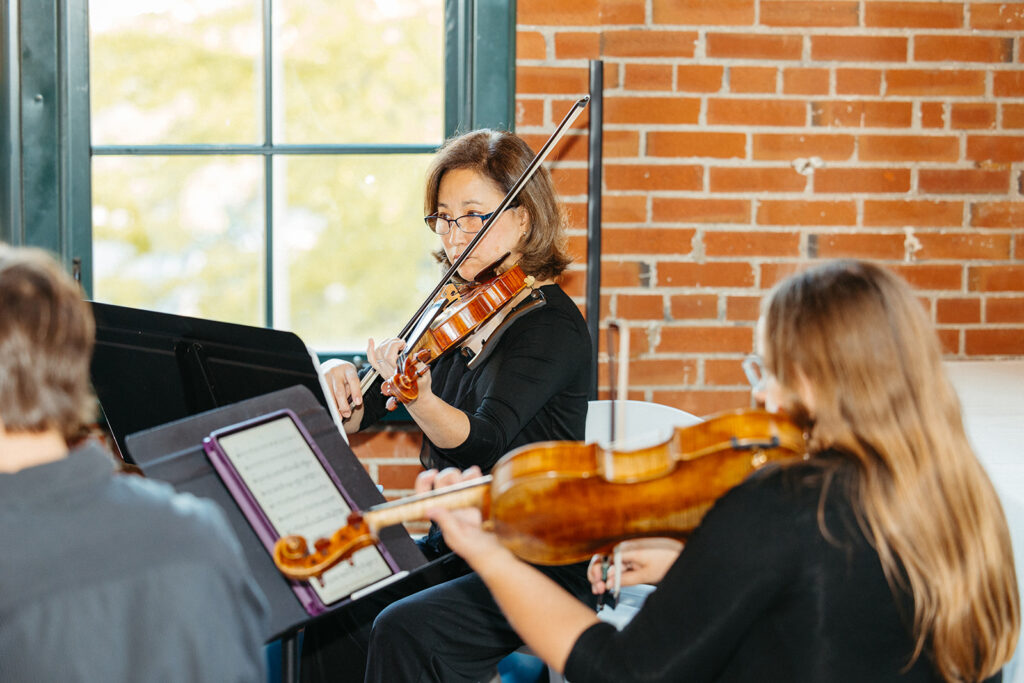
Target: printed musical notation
{"x":299,"y":497}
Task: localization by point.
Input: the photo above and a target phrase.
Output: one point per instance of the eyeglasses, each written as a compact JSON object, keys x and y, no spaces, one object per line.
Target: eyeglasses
{"x":470,"y":224}
{"x":753,"y":368}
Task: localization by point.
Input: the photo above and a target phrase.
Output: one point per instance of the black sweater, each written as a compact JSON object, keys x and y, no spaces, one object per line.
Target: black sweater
{"x":759,"y":594}
{"x":532,"y":387}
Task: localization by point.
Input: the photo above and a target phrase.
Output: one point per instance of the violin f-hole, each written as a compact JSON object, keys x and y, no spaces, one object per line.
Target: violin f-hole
{"x":738,"y":445}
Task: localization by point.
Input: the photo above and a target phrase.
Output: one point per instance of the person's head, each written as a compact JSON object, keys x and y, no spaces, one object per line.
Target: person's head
{"x":46,"y":340}
{"x":471,"y":174}
{"x":849,"y":342}
{"x":850,"y":352}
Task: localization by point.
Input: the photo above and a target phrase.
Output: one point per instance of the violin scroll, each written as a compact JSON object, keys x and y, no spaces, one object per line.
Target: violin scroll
{"x":295,"y":561}
{"x":293,"y":558}
{"x":404,"y":385}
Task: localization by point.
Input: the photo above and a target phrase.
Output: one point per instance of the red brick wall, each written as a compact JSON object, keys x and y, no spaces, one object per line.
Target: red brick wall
{"x":743,"y":138}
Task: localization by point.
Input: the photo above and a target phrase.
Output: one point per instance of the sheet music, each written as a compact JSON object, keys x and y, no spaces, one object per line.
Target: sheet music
{"x":298,"y":497}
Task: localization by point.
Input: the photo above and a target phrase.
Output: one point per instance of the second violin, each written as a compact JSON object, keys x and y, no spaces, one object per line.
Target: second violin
{"x":560,"y":502}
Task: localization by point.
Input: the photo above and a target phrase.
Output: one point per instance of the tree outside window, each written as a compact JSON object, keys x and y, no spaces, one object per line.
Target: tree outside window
{"x":263,"y":163}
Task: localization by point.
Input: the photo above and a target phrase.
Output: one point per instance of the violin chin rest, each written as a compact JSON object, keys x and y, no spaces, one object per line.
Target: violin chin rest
{"x":534,"y":300}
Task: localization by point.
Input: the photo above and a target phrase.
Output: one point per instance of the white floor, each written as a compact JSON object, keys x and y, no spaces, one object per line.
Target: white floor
{"x":992,"y":397}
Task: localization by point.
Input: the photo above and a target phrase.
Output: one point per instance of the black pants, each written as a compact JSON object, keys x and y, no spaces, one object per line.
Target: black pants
{"x":453,"y":632}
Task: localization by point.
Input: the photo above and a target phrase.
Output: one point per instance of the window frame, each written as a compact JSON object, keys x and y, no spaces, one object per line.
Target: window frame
{"x":46,"y":187}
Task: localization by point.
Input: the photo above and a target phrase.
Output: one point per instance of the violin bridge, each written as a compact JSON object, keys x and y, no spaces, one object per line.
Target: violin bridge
{"x":451,"y":293}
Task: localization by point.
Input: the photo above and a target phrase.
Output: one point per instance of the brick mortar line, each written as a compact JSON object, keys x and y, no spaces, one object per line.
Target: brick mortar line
{"x":771,"y":63}
{"x":859,"y":31}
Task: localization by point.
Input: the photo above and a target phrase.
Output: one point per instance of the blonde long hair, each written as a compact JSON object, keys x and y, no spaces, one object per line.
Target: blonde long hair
{"x":882,"y":398}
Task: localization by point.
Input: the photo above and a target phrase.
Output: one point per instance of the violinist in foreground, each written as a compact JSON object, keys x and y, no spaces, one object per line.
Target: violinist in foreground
{"x":533,"y":385}
{"x":883,"y":557}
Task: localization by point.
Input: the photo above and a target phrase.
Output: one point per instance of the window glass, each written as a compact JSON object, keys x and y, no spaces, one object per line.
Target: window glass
{"x":188,"y":232}
{"x":351,"y":252}
{"x":176,"y":71}
{"x":356,"y":72}
{"x":180,"y":235}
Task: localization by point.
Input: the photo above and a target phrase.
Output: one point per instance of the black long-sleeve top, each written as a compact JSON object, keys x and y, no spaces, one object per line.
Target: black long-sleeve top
{"x":532,"y":387}
{"x":759,"y":594}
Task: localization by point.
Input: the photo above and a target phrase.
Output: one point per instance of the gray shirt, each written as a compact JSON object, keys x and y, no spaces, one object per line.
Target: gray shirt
{"x":107,"y":577}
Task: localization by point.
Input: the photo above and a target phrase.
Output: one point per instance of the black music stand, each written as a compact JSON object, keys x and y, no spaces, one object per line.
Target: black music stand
{"x":154,"y":371}
{"x":150,"y":368}
{"x":174,"y":453}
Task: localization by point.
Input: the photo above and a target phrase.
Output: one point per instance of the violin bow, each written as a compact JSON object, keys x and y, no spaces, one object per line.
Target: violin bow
{"x":531,"y":169}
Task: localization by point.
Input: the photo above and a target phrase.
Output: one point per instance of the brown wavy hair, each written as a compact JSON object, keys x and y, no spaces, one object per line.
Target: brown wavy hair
{"x":46,"y":341}
{"x":502,"y":157}
{"x":882,"y":398}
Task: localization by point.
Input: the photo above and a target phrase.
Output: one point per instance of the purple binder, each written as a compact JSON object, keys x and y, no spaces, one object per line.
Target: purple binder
{"x":258,"y":518}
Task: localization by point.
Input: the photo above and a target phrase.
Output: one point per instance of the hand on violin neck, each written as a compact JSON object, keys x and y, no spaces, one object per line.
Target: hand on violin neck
{"x":383,"y":357}
{"x":428,"y":480}
{"x":464,"y":533}
{"x":464,"y":525}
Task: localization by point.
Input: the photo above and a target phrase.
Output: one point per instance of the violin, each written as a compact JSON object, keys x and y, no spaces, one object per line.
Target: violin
{"x":558,"y":502}
{"x":455,"y":325}
{"x":469,"y":315}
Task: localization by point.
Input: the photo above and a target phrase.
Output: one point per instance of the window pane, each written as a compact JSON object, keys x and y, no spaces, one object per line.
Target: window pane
{"x":176,"y":71}
{"x":353,"y":72}
{"x":351,"y":253}
{"x":181,"y":235}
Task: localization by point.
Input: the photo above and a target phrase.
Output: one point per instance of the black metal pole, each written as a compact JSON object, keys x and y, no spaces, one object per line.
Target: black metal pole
{"x":594,"y":166}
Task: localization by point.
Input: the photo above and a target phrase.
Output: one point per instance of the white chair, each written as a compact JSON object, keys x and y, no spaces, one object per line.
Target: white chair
{"x":642,"y":420}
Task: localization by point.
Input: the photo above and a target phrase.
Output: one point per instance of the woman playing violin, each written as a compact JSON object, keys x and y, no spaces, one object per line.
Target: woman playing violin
{"x":883,"y":557}
{"x":532,"y":386}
